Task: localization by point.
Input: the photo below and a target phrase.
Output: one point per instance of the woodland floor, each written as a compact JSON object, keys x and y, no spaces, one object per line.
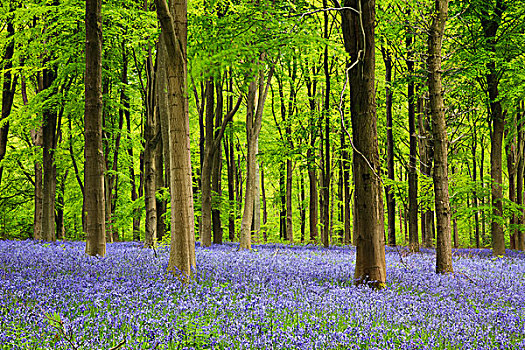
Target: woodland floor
{"x":52,"y":296}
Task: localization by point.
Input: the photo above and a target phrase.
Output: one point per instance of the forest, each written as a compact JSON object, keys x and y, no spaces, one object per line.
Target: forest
{"x":276,"y":158}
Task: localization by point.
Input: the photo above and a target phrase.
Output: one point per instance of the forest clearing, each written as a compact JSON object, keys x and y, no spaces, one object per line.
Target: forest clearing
{"x":274,"y":297}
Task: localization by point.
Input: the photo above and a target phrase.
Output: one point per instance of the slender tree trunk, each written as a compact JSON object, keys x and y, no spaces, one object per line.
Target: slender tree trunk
{"x":159,"y":179}
{"x":483,"y":216}
{"x":36,"y":135}
{"x":413,"y":231}
{"x":150,"y":170}
{"x":60,"y":228}
{"x":282,"y":194}
{"x":390,"y":200}
{"x":510,"y":150}
{"x":302,"y":210}
{"x":439,"y":129}
{"x":254,"y":108}
{"x":325,"y":141}
{"x":520,"y":244}
{"x":264,"y":208}
{"x":94,"y":159}
{"x":216,"y":173}
{"x":8,"y":87}
{"x":174,"y":27}
{"x":313,"y":206}
{"x":230,"y":165}
{"x":289,"y":213}
{"x":359,"y":39}
{"x":474,"y":192}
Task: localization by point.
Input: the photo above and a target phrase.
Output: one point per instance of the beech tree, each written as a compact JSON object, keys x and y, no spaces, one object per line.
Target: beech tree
{"x":439,"y":129}
{"x":173,"y":21}
{"x":94,"y":161}
{"x":358,"y":33}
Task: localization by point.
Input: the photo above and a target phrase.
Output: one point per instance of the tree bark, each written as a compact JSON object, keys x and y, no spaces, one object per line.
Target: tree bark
{"x":390,"y":200}
{"x":475,"y":179}
{"x":510,"y":150}
{"x":150,"y":154}
{"x":413,"y":231}
{"x":229,"y":152}
{"x":439,"y":129}
{"x":254,"y":113}
{"x":173,"y":22}
{"x":520,"y":241}
{"x":94,"y":159}
{"x":490,"y":24}
{"x":325,"y":142}
{"x":8,"y":87}
{"x":358,"y":35}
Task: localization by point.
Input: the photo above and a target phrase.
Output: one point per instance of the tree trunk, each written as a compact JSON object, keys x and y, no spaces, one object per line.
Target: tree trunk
{"x":325,"y":142}
{"x":159,"y":179}
{"x":94,"y":159}
{"x":390,"y":200}
{"x":217,"y":169}
{"x":8,"y":87}
{"x":510,"y":150}
{"x":475,"y":179}
{"x":230,"y":168}
{"x":36,"y":136}
{"x":182,"y":250}
{"x":439,"y":129}
{"x":302,"y":210}
{"x":490,"y":24}
{"x":150,"y":170}
{"x":60,"y":228}
{"x":254,"y":113}
{"x":359,"y":40}
{"x":520,"y":241}
{"x":282,"y":195}
{"x":264,"y":209}
{"x":413,"y":231}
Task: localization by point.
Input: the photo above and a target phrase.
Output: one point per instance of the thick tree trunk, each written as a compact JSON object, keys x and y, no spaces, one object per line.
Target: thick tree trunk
{"x":164,"y":108}
{"x":358,"y":34}
{"x":182,"y":249}
{"x":206,"y":166}
{"x":159,"y":180}
{"x":390,"y":200}
{"x":36,"y":135}
{"x":94,"y":159}
{"x":439,"y":129}
{"x":490,"y":24}
{"x":49,"y":126}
